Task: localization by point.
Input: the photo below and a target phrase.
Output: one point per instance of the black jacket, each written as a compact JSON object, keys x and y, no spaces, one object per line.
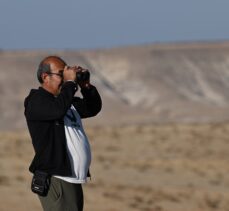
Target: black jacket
{"x":44,"y":115}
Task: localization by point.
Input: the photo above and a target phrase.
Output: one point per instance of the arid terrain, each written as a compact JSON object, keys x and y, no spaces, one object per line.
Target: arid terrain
{"x":184,"y":82}
{"x":173,"y":167}
{"x":161,"y":141}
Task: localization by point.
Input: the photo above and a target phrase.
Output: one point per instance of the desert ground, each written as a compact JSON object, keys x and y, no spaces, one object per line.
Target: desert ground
{"x":169,"y":167}
{"x":141,"y":161}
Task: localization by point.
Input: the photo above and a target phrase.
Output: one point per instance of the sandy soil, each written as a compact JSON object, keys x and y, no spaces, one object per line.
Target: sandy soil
{"x":148,"y":168}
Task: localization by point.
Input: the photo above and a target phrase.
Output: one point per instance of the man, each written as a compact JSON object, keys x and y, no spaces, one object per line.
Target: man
{"x":61,"y":147}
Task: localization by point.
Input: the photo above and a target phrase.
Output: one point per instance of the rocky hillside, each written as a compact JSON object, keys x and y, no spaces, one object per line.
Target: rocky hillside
{"x":183,"y":82}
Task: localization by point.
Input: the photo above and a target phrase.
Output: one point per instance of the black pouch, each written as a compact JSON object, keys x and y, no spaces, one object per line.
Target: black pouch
{"x":40,"y":183}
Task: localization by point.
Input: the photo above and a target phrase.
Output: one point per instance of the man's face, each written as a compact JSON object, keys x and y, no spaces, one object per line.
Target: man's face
{"x":54,"y":79}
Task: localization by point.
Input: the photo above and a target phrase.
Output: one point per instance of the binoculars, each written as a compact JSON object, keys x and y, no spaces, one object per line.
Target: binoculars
{"x":82,"y":75}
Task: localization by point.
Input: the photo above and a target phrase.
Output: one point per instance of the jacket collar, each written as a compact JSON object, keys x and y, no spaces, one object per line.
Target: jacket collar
{"x":45,"y":92}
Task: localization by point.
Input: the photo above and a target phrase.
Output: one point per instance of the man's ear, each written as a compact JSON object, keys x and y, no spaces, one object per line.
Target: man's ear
{"x":44,"y":77}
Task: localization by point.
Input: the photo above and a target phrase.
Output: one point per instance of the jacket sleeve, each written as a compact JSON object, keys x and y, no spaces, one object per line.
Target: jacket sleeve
{"x":43,"y":108}
{"x":90,"y":104}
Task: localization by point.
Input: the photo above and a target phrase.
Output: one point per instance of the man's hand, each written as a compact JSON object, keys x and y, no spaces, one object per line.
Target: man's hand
{"x":69,"y":73}
{"x":84,"y":84}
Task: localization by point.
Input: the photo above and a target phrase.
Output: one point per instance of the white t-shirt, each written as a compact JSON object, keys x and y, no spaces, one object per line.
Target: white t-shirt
{"x":78,"y":147}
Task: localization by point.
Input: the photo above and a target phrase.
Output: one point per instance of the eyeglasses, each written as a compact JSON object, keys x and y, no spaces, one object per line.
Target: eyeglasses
{"x":59,"y":74}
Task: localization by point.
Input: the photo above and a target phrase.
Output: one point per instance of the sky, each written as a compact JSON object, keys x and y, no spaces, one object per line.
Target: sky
{"x":84,"y":24}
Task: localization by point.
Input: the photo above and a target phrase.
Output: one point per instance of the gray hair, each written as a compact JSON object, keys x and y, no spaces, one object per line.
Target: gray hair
{"x":43,"y":68}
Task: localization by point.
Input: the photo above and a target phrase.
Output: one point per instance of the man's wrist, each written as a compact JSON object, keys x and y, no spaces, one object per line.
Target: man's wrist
{"x":70,"y":80}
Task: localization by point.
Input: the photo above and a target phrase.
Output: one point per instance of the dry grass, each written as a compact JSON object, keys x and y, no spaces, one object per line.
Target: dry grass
{"x":148,"y":168}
